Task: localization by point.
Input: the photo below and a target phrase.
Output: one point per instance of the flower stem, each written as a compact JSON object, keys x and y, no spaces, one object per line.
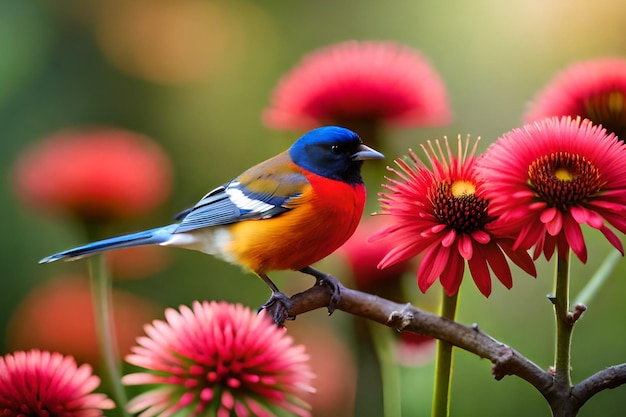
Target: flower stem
{"x":105,"y":328}
{"x":599,"y":278}
{"x":564,"y":322}
{"x":443,"y":363}
{"x":390,"y":375}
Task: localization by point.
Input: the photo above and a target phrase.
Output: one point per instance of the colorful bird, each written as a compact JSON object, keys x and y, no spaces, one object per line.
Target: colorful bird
{"x":285,"y":213}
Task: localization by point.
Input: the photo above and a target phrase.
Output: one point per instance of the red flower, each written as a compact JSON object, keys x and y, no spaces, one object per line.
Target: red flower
{"x":593,"y":89}
{"x":360,"y":82}
{"x":219,"y":356}
{"x":548,"y":178}
{"x":95,"y":174}
{"x":443,"y":212}
{"x":36,"y":383}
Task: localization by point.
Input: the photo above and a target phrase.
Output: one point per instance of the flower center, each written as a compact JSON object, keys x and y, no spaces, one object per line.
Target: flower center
{"x":609,"y":110}
{"x":458,"y":206}
{"x":462,"y":188}
{"x":563,"y":179}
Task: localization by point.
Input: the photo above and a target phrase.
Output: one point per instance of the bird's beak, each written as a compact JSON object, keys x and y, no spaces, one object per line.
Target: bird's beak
{"x":365,"y":152}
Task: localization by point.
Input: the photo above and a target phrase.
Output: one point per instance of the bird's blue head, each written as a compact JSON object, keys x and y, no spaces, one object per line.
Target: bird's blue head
{"x":333,"y":152}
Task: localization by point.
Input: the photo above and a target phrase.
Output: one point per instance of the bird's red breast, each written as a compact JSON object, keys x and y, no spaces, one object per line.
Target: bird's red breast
{"x":321,"y":219}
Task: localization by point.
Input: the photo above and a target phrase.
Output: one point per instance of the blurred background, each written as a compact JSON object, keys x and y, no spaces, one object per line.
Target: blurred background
{"x":195,"y":76}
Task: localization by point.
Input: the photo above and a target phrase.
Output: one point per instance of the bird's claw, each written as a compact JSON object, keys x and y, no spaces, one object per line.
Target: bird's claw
{"x":278,"y":306}
{"x":334,"y":286}
{"x":330,"y":282}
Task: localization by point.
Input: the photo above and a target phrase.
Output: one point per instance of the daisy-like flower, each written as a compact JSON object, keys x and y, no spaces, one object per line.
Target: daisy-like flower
{"x":443,"y":212}
{"x":36,"y":383}
{"x":221,"y":359}
{"x":548,"y":178}
{"x":359,"y":83}
{"x":95,"y":174}
{"x":593,"y":89}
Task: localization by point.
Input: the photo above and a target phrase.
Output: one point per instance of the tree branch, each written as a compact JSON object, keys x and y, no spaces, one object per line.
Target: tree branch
{"x":611,"y":377}
{"x":505,"y":360}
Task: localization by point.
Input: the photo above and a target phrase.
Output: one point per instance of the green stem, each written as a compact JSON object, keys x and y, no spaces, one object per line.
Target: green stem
{"x":564,"y":322}
{"x":390,"y":375}
{"x":443,"y":363}
{"x":599,"y":278}
{"x":101,"y":294}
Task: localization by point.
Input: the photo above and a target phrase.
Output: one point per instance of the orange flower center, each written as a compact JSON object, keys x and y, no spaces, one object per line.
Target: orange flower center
{"x":609,"y":110}
{"x":563,"y":179}
{"x":457,"y":205}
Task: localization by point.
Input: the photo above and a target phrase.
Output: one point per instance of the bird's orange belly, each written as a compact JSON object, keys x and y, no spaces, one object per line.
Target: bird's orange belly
{"x":297,"y":238}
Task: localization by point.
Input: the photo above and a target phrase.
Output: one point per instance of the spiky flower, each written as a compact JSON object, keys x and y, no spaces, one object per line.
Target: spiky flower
{"x":219,"y":359}
{"x":548,"y":178}
{"x":43,"y":384}
{"x":358,"y":84}
{"x":95,"y":174}
{"x":443,"y":212}
{"x":594,"y":89}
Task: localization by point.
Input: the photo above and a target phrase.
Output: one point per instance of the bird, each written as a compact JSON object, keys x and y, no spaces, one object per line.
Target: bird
{"x":286,"y":213}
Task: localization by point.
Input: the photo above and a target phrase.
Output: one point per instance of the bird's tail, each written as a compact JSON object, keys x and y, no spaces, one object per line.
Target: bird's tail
{"x":147,"y":237}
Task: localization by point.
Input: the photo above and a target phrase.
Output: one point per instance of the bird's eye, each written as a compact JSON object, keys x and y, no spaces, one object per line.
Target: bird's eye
{"x":336,"y":149}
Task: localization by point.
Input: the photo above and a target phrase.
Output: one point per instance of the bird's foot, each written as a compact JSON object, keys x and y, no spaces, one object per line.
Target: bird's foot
{"x":277,"y":306}
{"x":330,"y":282}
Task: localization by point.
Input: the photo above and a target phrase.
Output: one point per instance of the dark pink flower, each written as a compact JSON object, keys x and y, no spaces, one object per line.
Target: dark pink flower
{"x":593,"y":89}
{"x":37,"y":383}
{"x":219,"y":357}
{"x":443,"y":212}
{"x":548,"y":178}
{"x":358,"y":83}
{"x":97,"y":174}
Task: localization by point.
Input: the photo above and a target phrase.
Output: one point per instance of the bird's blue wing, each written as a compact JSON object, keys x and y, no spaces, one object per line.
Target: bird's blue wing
{"x":248,"y":197}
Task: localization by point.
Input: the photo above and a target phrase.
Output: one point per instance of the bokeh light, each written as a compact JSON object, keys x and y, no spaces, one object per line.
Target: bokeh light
{"x":170,"y":41}
{"x":58,"y":316}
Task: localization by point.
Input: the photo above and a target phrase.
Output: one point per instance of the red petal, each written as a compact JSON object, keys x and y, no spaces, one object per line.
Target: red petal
{"x":465,"y":246}
{"x":453,"y":275}
{"x":432,"y":266}
{"x":574,"y":237}
{"x":612,"y":238}
{"x":521,"y":258}
{"x":555,"y":225}
{"x":449,"y":238}
{"x":498,"y":263}
{"x":480,"y":274}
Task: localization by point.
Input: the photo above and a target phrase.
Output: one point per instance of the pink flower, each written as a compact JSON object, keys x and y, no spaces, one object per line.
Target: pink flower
{"x":443,"y":212}
{"x":221,"y":357}
{"x":548,"y":178}
{"x":98,"y":174}
{"x":358,"y":83}
{"x":593,"y":89}
{"x":37,"y":383}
